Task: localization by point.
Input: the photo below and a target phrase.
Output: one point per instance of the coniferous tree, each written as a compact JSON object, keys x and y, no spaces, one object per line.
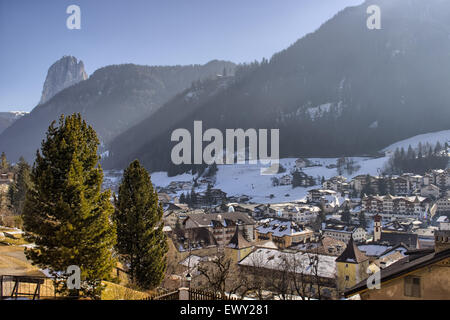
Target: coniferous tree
{"x":140,"y":237}
{"x":4,"y":164}
{"x":362,"y":220}
{"x":66,"y":214}
{"x":20,"y":186}
{"x":346,"y":216}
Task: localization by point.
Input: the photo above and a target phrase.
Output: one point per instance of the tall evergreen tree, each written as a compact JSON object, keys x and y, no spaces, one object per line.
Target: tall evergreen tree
{"x":67,"y":215}
{"x":140,"y":238}
{"x":20,"y":186}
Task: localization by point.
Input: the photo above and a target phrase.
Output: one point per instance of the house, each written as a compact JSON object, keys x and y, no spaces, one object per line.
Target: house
{"x":6,"y":178}
{"x":301,"y":163}
{"x":359,"y":182}
{"x":223,"y":225}
{"x":212,"y":196}
{"x":285,"y":180}
{"x":300,"y":213}
{"x":343,"y":232}
{"x":443,"y":205}
{"x":414,"y":182}
{"x":284,"y":233}
{"x":326,"y":246}
{"x":187,"y":240}
{"x":444,"y":223}
{"x":442,"y":178}
{"x":420,"y":275}
{"x":316,"y":195}
{"x":338,"y":183}
{"x":430,"y":191}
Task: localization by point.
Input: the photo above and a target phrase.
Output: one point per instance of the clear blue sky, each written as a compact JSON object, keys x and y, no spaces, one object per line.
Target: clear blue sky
{"x":33,"y":35}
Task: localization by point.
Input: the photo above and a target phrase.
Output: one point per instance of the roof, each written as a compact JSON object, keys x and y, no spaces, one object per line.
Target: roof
{"x":415,"y":260}
{"x":238,"y":241}
{"x":197,"y":238}
{"x":273,"y":260}
{"x":281,"y":228}
{"x":352,"y":254}
{"x":220,"y":219}
{"x":373,"y":250}
{"x":339,"y":226}
{"x":394,"y":238}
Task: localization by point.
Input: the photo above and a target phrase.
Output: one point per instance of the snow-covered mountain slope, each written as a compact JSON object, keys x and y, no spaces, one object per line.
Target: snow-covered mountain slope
{"x":432,"y":138}
{"x":245,"y":179}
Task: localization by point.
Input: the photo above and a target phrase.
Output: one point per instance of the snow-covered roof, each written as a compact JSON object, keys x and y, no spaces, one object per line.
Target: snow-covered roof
{"x":373,"y":249}
{"x":280,"y":228}
{"x":274,"y":260}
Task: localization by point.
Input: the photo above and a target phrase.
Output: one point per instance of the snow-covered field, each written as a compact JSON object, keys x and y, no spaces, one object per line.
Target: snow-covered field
{"x":245,"y":179}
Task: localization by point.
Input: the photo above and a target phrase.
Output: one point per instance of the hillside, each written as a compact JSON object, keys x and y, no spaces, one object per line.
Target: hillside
{"x":342,"y":90}
{"x":113,"y":99}
{"x":238,"y":179}
{"x":8,"y":118}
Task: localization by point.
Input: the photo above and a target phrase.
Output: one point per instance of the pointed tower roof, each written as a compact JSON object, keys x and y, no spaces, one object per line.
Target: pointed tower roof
{"x":238,"y":241}
{"x":352,"y":254}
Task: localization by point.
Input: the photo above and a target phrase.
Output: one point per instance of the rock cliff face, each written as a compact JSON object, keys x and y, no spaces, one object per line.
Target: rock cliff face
{"x":62,"y":74}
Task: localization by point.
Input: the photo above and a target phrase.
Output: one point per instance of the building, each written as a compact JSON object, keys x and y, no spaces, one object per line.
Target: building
{"x":301,"y":163}
{"x":223,"y":225}
{"x":285,"y":180}
{"x":326,"y":246}
{"x":316,"y":195}
{"x":338,"y":184}
{"x":351,"y":266}
{"x":443,"y":205}
{"x":300,"y":213}
{"x":444,"y":223}
{"x":239,"y":247}
{"x":187,"y":240}
{"x":420,"y":275}
{"x":389,"y":206}
{"x":343,"y":232}
{"x":284,"y":233}
{"x":274,"y":264}
{"x":430,"y":191}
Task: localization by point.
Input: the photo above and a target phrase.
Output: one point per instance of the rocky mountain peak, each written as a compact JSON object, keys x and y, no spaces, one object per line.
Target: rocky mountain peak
{"x":64,"y":73}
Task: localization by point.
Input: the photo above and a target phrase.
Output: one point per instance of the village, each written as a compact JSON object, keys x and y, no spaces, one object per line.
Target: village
{"x":334,"y":239}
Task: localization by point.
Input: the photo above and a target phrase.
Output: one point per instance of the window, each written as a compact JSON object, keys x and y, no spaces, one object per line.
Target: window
{"x":347,"y":278}
{"x":412,"y":287}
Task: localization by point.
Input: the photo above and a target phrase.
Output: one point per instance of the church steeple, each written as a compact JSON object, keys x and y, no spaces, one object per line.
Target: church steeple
{"x":351,"y":266}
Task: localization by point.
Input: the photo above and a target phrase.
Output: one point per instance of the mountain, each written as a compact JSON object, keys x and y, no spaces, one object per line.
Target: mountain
{"x":64,"y":73}
{"x":8,"y":118}
{"x":113,"y":99}
{"x":342,"y":90}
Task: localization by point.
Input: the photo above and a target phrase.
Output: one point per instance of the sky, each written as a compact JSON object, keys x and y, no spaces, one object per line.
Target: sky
{"x":33,"y":35}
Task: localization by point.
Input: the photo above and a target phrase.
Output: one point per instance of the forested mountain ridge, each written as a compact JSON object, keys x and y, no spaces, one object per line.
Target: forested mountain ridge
{"x":342,"y":90}
{"x":113,"y":99}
